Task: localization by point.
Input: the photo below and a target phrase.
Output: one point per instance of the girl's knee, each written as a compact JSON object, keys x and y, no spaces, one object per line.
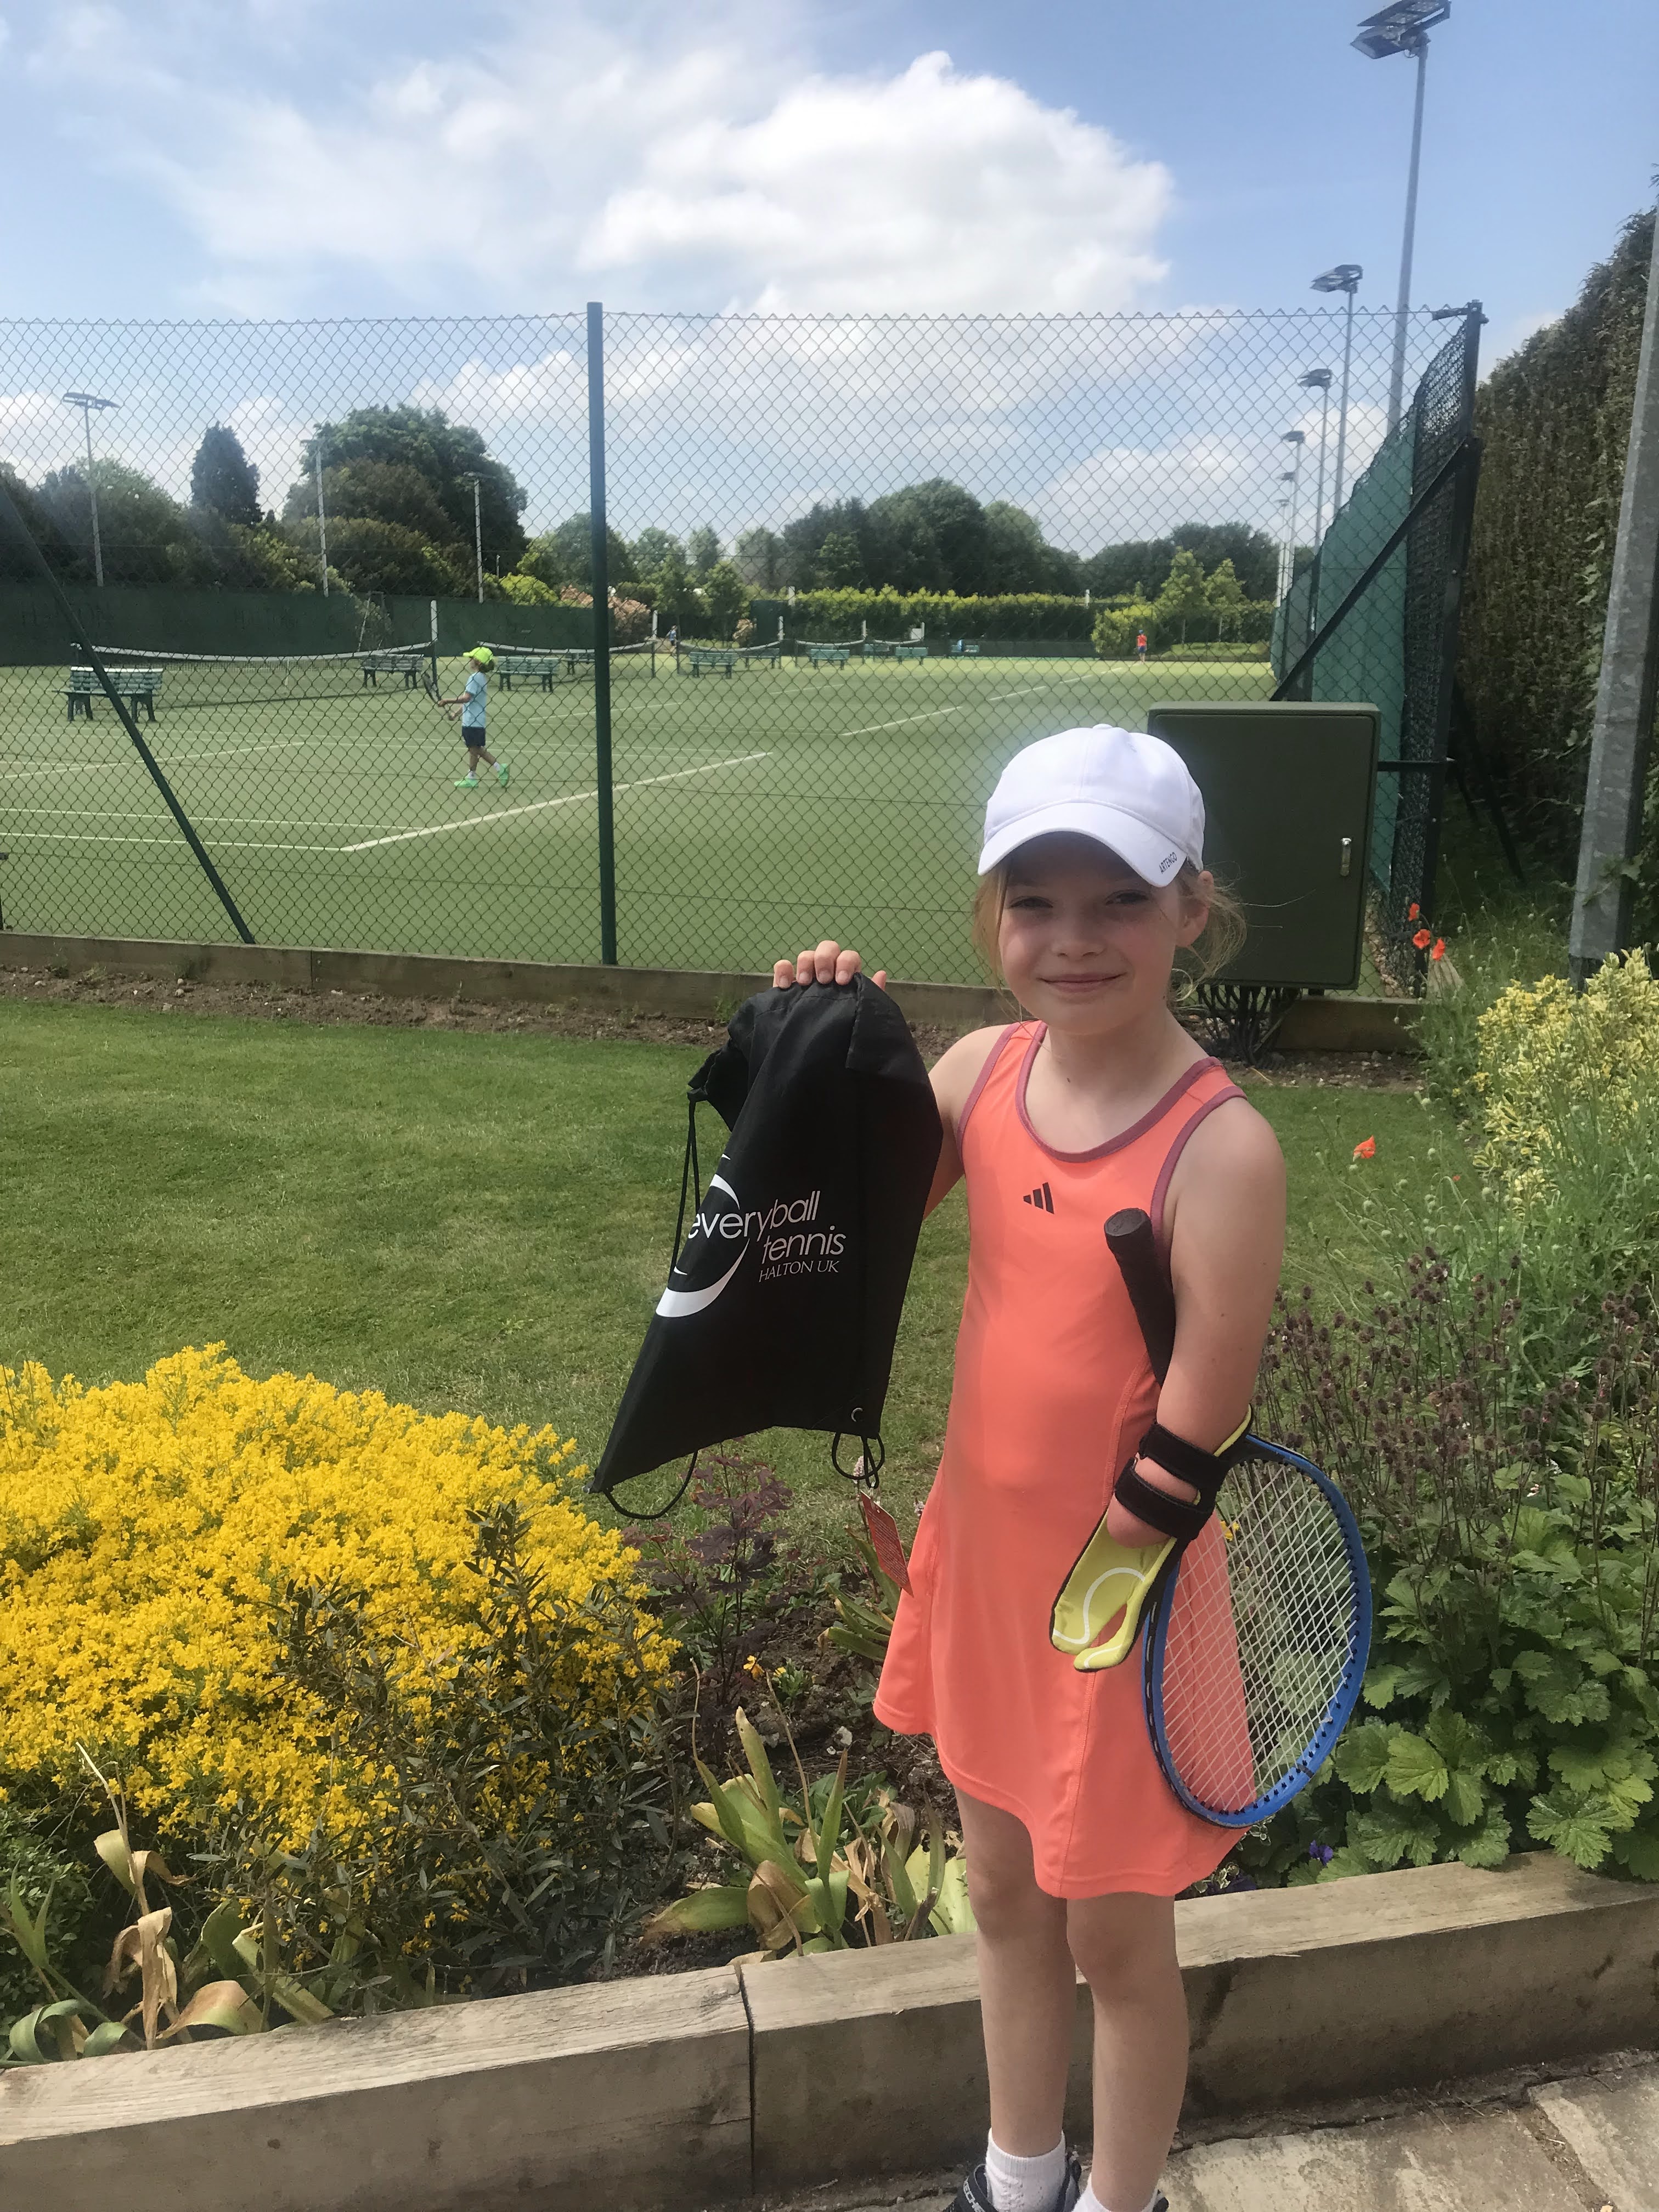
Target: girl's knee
{"x":1123,"y":1944}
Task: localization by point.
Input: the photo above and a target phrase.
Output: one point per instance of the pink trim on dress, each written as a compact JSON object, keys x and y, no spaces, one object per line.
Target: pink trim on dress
{"x":981,"y":1080}
{"x":1182,"y":1083}
{"x":1161,"y":1188}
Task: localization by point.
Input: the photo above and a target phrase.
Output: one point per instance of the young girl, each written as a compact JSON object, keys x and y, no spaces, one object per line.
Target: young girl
{"x":473,"y":707}
{"x":1092,"y":880}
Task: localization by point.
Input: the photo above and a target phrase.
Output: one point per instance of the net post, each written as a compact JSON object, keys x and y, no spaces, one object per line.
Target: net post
{"x":433,"y":606}
{"x":600,"y":586}
{"x":78,"y":637}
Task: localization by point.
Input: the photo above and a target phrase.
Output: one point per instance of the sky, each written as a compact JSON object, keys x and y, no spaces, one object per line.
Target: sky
{"x":339,"y":157}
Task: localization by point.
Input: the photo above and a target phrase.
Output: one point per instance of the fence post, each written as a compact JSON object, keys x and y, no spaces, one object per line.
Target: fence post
{"x":1623,"y":726}
{"x":601,"y":589}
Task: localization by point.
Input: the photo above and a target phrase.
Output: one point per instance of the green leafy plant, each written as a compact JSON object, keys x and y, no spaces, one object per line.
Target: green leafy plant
{"x":829,"y":1869}
{"x":862,"y":1626}
{"x":1514,"y":1547}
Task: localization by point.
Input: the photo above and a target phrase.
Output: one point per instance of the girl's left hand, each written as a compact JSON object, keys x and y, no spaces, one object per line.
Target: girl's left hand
{"x":828,"y":963}
{"x":1129,"y":1528}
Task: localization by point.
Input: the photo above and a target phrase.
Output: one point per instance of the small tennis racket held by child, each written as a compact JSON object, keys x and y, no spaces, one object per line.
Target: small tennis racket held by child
{"x":1257,"y":1624}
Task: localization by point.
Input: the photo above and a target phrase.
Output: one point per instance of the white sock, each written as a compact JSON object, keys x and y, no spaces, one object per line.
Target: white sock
{"x":1090,"y":2203}
{"x":1025,"y":2184}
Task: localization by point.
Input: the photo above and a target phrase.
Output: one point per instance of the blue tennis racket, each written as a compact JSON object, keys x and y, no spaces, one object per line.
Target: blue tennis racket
{"x":1256,"y":1641}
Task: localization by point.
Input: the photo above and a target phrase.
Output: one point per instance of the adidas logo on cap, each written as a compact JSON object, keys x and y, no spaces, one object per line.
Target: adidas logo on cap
{"x":1043,"y":1198}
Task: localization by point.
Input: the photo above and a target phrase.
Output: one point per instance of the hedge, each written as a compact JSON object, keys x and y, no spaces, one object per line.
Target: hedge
{"x":1554,"y":419}
{"x":833,"y":615}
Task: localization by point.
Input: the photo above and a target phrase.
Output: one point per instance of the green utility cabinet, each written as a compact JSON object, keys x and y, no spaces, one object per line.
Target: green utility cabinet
{"x":1287,"y":790}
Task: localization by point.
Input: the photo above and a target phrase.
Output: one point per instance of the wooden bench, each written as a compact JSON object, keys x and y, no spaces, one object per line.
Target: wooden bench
{"x":406,"y":664}
{"x":711,"y":656}
{"x":138,"y":684}
{"x":968,"y":646}
{"x":832,"y":655}
{"x":910,"y":652}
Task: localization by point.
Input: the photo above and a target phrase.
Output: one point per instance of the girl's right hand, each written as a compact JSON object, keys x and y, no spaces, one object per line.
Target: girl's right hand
{"x":827,"y":962}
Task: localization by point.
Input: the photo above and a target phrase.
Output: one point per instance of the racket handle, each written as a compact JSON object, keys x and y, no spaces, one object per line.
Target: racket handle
{"x":1133,"y":1245}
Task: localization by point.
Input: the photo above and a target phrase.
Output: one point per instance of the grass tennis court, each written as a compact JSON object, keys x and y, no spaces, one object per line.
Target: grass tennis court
{"x":753,"y":812}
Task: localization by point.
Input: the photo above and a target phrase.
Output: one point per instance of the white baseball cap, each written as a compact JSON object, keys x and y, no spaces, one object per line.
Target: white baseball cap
{"x":1127,"y":791}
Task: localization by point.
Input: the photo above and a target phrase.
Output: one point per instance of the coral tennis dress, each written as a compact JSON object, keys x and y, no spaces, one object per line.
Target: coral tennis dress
{"x":1052,"y":1391}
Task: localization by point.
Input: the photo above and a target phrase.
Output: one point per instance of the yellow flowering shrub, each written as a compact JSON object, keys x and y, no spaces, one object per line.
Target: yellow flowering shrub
{"x":1550,"y":1057}
{"x":154,"y":1536}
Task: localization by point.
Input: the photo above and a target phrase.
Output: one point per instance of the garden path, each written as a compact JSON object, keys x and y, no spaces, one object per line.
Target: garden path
{"x":1586,"y":2145}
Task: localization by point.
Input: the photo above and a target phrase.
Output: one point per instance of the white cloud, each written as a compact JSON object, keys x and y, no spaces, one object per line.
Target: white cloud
{"x":585,"y":148}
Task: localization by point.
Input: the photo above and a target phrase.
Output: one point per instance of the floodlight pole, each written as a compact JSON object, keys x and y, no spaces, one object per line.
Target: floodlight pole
{"x":1342,"y":410}
{"x":477,"y":534}
{"x":86,"y":401}
{"x":1319,"y":380}
{"x":1296,"y":440}
{"x":322,"y":519}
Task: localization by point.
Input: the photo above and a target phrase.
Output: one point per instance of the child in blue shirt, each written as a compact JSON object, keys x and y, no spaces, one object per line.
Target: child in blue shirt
{"x":472,"y":706}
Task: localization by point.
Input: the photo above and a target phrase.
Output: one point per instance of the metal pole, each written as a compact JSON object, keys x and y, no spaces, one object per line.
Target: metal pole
{"x":1342,"y":411}
{"x":78,"y":638}
{"x":92,"y":494}
{"x":322,"y":519}
{"x":1621,"y":732}
{"x":477,"y":537}
{"x":1319,"y":499}
{"x":601,"y":590}
{"x":1402,"y":308}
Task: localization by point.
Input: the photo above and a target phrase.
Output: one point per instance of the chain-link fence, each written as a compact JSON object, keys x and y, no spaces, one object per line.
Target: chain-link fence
{"x":1375,"y":616}
{"x":845,"y":568}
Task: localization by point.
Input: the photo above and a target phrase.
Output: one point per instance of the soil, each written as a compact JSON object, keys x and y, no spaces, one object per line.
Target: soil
{"x":166,"y":993}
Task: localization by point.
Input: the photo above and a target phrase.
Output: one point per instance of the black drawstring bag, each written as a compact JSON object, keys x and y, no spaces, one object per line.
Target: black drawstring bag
{"x":784,"y":1298}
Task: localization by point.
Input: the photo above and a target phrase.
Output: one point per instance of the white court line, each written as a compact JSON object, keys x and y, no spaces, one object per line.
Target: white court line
{"x":220,"y":844}
{"x":234,"y":820}
{"x":934,"y":715}
{"x":539,"y":805}
{"x":166,"y":760}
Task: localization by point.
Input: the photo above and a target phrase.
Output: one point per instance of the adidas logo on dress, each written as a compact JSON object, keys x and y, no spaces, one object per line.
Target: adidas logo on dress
{"x":1043,"y":1198}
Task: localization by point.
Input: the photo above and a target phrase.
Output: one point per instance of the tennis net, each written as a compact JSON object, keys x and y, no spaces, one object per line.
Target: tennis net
{"x":183,"y":680}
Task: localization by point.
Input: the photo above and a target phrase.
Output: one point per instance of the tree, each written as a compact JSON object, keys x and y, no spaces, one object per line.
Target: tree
{"x":1225,"y":594}
{"x":940,"y":537}
{"x":446,"y":454}
{"x":222,"y":479}
{"x":725,"y":596}
{"x":648,"y":552}
{"x":840,"y":562}
{"x":146,"y":538}
{"x":383,"y":556}
{"x":381,"y":491}
{"x":760,"y":558}
{"x":1183,"y":592}
{"x":678,"y":604}
{"x":702,"y":551}
{"x":1016,"y":558}
{"x":565,"y":556}
{"x":62,"y":556}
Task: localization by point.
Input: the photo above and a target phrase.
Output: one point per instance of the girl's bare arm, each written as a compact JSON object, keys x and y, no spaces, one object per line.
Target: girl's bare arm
{"x":1225,"y":1221}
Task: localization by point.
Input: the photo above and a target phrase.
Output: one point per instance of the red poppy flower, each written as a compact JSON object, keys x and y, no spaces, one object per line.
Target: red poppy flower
{"x":1439,"y":950}
{"x":1423,"y":939}
{"x":1413,"y":911}
{"x":1366,"y":1149}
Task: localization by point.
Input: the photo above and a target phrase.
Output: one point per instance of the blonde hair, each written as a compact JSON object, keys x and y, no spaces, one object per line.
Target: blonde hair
{"x":1219,"y":942}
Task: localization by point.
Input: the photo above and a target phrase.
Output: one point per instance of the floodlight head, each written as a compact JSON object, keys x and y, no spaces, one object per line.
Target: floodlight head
{"x":1345,"y":278}
{"x":1294,"y":438}
{"x":87,"y":399}
{"x":1316,"y":380}
{"x":1400,"y":29}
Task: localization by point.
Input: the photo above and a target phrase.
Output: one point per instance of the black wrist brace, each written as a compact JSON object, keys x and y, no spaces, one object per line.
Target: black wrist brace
{"x":1205,"y":1471}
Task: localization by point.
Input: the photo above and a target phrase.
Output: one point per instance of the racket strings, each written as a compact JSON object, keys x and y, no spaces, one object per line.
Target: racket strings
{"x":1263,"y":1621}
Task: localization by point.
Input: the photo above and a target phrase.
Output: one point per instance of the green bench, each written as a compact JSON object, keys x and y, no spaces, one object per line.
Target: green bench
{"x":406,"y":664}
{"x":969,"y":647}
{"x":878,"y":648}
{"x":138,"y":684}
{"x":547,"y":668}
{"x":700,"y":657}
{"x":832,"y":655}
{"x":910,"y":652}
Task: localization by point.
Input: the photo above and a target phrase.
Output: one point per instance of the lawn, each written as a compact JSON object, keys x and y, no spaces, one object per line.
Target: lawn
{"x":476,"y":1221}
{"x":752,"y":813}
